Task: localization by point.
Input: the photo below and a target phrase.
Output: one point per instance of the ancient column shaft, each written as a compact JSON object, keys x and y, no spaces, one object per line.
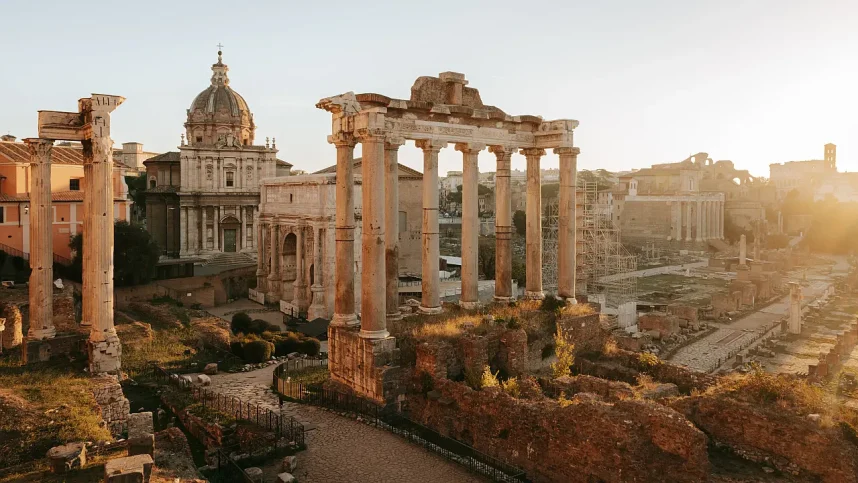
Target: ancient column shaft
{"x":699,"y":216}
{"x":503,"y":224}
{"x":533,"y":238}
{"x":373,"y":312}
{"x":687,"y":221}
{"x":261,"y":273}
{"x":41,"y":240}
{"x":274,"y":255}
{"x":470,"y":224}
{"x":216,"y":227}
{"x":566,"y":230}
{"x":317,"y":307}
{"x":391,"y":226}
{"x":344,"y":276}
{"x":431,"y":301}
{"x":743,"y":250}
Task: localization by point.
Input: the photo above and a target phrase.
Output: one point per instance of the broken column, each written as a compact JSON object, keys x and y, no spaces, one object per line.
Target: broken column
{"x":470,"y":224}
{"x":41,"y":240}
{"x":743,"y":251}
{"x":503,"y":224}
{"x":794,"y":308}
{"x":566,"y":229}
{"x":431,"y":301}
{"x":533,"y":236}
{"x":105,"y":349}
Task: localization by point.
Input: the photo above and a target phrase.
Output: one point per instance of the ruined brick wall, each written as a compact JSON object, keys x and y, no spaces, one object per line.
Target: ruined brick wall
{"x":625,"y":366}
{"x":512,"y":355}
{"x":663,"y":323}
{"x":725,"y":302}
{"x":687,"y":312}
{"x":111,"y":402}
{"x":13,"y":335}
{"x":67,"y":344}
{"x":366,"y":366}
{"x":584,"y":331}
{"x":611,"y":391}
{"x":747,"y":290}
{"x":778,"y":437}
{"x":586,"y":441}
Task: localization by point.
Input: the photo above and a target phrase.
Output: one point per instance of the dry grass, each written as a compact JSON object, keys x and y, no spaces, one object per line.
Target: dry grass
{"x":577,"y":310}
{"x":450,"y":328}
{"x":781,"y":390}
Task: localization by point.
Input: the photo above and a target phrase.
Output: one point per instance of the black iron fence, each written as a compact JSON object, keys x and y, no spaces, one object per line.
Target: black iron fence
{"x":287,"y":431}
{"x":287,"y":382}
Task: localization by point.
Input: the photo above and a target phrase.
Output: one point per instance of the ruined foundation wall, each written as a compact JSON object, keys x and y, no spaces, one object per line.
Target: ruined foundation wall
{"x":111,"y":402}
{"x":366,"y":366}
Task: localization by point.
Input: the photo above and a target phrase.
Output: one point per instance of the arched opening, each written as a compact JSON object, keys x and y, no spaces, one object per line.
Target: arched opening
{"x":230,"y":230}
{"x":290,"y":246}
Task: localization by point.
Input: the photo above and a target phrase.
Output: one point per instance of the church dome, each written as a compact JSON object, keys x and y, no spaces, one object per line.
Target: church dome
{"x":219,"y":115}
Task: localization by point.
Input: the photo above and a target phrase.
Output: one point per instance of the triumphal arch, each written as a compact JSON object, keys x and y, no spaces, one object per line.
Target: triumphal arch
{"x":441,"y":111}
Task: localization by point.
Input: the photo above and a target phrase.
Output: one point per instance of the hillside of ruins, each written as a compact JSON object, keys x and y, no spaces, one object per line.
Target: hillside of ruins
{"x":217,"y":313}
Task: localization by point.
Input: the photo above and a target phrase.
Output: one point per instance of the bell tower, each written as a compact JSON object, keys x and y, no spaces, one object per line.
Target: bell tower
{"x":830,"y":157}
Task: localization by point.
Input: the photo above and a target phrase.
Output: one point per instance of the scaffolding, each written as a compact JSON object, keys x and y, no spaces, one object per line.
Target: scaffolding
{"x":549,"y":246}
{"x":608,"y":268}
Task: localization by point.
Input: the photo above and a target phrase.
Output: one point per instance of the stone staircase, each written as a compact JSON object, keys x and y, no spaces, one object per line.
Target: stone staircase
{"x":222,"y":262}
{"x":720,"y":245}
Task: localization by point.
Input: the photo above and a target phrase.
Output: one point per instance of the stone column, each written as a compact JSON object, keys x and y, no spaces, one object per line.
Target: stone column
{"x":794,"y":308}
{"x":299,"y":285}
{"x":261,"y":273}
{"x":566,"y":229}
{"x":41,"y":240}
{"x":687,"y":221}
{"x":704,"y":214}
{"x":391,"y":226}
{"x":743,"y":251}
{"x":470,"y":224}
{"x":183,"y":231}
{"x":723,"y":213}
{"x":344,"y":276}
{"x":431,"y":303}
{"x":204,"y":228}
{"x":533,"y":238}
{"x":373,"y":304}
{"x":216,"y":227}
{"x":104,"y":347}
{"x":503,"y":224}
{"x":317,"y":308}
{"x":699,"y":235}
{"x":242,"y":238}
{"x":274,"y":256}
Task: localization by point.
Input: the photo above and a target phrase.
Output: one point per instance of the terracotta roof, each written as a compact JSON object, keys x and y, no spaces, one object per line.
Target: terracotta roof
{"x":168,"y":157}
{"x":55,"y":196}
{"x":280,"y":162}
{"x":404,"y":171}
{"x":11,"y":152}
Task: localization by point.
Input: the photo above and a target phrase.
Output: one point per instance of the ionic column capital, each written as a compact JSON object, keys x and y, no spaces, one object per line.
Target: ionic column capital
{"x":470,"y":148}
{"x":573,"y":151}
{"x":430,"y":145}
{"x":342,"y":139}
{"x":40,"y":149}
{"x":533,"y":152}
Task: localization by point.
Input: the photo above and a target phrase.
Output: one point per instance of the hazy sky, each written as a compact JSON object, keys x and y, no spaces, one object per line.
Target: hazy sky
{"x":754,"y":81}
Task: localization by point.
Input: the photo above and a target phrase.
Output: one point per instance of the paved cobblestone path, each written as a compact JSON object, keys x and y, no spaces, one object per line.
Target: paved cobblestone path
{"x":340,"y":449}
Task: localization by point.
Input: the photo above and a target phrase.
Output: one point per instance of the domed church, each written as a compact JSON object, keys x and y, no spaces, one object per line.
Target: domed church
{"x":205,"y":197}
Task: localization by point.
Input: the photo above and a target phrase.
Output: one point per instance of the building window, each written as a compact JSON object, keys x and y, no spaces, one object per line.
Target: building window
{"x":230,"y":181}
{"x":2,"y":214}
{"x":152,"y":184}
{"x":199,"y":139}
{"x":290,"y":197}
{"x":74,"y":185}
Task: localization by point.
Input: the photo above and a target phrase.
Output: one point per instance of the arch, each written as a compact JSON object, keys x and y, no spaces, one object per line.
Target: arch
{"x":228,"y":220}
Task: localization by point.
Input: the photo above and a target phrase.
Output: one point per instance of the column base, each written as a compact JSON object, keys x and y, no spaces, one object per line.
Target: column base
{"x":571,"y":301}
{"x":503,"y":299}
{"x":345,"y":320}
{"x":469,"y":305}
{"x":104,"y":355}
{"x":374,"y":334}
{"x":531,"y":295}
{"x":429,"y":310}
{"x":42,"y":334}
{"x":393,"y":317}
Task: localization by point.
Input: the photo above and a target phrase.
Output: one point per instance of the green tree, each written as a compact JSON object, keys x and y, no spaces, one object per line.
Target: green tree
{"x":519,"y":220}
{"x":135,"y":255}
{"x":483,"y":189}
{"x":455,"y":196}
{"x":486,"y":257}
{"x":137,"y":193}
{"x":550,"y":191}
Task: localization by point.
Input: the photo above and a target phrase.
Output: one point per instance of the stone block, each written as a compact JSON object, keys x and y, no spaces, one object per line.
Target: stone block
{"x":289,"y":464}
{"x":204,"y":380}
{"x":286,"y":478}
{"x":66,"y":457}
{"x":254,"y":474}
{"x":131,"y":469}
{"x":661,"y":391}
{"x":210,"y":369}
{"x":663,"y":323}
{"x":685,"y":312}
{"x":141,"y":434}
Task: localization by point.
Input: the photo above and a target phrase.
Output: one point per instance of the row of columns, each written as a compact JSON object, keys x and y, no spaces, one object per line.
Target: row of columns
{"x":271,"y":272}
{"x":707,"y":216}
{"x":194,"y":225}
{"x":379,"y":240}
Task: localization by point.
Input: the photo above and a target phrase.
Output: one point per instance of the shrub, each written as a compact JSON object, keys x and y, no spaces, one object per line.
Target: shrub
{"x":563,"y":401}
{"x":310,"y":346}
{"x":236,"y":348}
{"x":427,"y":383}
{"x":565,"y":355}
{"x":240,"y":323}
{"x":547,"y":351}
{"x":258,"y":351}
{"x":258,"y":326}
{"x":286,"y":343}
{"x":196,"y":306}
{"x":648,"y":360}
{"x":513,"y":324}
{"x":511,"y":387}
{"x":488,"y":379}
{"x":551,"y":304}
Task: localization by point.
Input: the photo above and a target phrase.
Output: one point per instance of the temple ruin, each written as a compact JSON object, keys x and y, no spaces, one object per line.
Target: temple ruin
{"x":441,"y":111}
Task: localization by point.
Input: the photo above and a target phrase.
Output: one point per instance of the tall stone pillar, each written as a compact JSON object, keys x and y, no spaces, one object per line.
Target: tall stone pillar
{"x":274,"y":255}
{"x":104,"y":347}
{"x":721,"y":218}
{"x":794,"y":308}
{"x":344,"y":276}
{"x":687,"y":221}
{"x":261,"y":272}
{"x":704,"y":214}
{"x":373,"y":305}
{"x":743,"y":251}
{"x":503,"y":224}
{"x":391,"y":226}
{"x":300,"y":285}
{"x":566,"y":229}
{"x":470,"y":224}
{"x":699,"y":235}
{"x":216,"y":227}
{"x":713,"y":217}
{"x":204,"y":229}
{"x":317,"y":289}
{"x":533,"y":237}
{"x":431,"y":303}
{"x":41,"y":240}
{"x":242,"y":238}
{"x":183,"y":231}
